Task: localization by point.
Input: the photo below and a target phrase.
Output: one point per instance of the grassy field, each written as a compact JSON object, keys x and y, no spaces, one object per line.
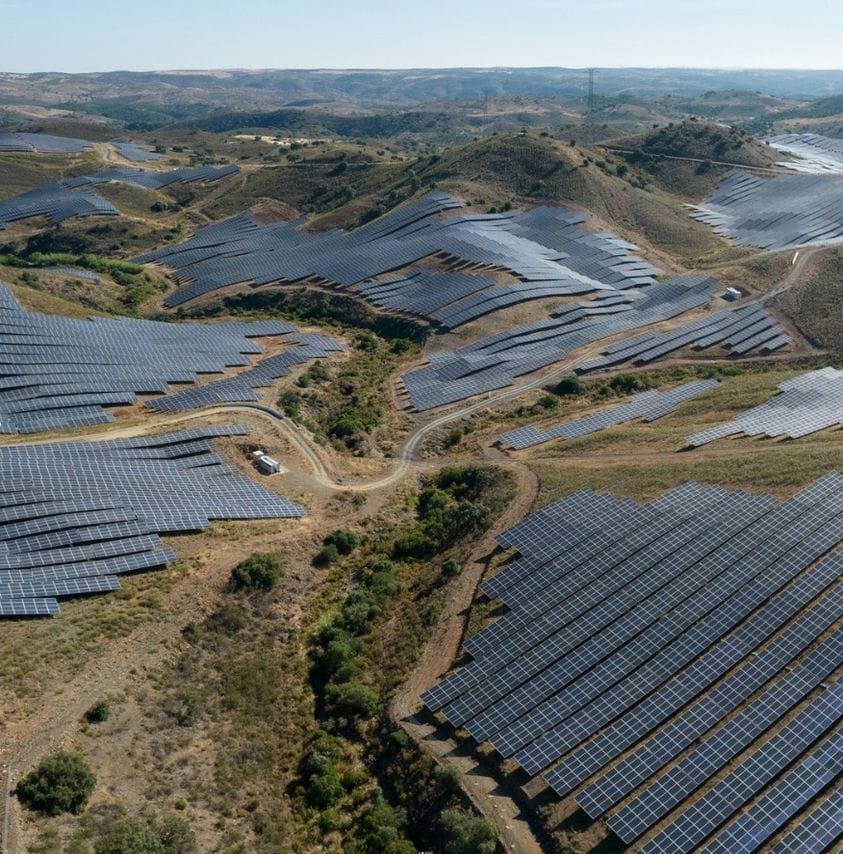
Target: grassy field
{"x":642,"y":460}
{"x":816,"y":306}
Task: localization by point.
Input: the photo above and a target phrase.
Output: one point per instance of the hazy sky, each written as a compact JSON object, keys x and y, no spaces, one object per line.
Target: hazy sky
{"x":99,"y":35}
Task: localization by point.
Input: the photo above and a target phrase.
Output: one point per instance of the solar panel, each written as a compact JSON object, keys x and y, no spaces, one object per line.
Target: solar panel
{"x":75,"y":515}
{"x":63,"y":372}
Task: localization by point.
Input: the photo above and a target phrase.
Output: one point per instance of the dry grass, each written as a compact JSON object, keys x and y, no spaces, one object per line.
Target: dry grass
{"x":816,"y":307}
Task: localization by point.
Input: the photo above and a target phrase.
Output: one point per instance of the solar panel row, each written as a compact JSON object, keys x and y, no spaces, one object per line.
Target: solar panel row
{"x":775,"y":213}
{"x":43,"y":143}
{"x":543,"y":252}
{"x":647,"y":405}
{"x":635,"y":632}
{"x":62,"y":372}
{"x":75,"y":515}
{"x":74,"y":197}
{"x":816,"y":154}
{"x":806,"y":404}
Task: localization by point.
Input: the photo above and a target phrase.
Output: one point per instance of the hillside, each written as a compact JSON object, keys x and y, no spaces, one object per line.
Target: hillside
{"x":268,"y":680}
{"x":690,"y":158}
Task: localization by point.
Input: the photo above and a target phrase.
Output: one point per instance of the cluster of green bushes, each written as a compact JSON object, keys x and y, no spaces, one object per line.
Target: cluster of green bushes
{"x":338,"y":645}
{"x":138,"y":285}
{"x":363,"y":652}
{"x":57,"y":259}
{"x":327,"y":309}
{"x":620,"y":384}
{"x":142,"y":835}
{"x":449,"y":506}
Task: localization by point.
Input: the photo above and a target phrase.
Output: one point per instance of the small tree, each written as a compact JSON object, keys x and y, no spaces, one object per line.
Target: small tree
{"x":352,"y":700}
{"x":98,"y":713}
{"x":63,"y":782}
{"x":258,"y":572}
{"x":569,"y":386}
{"x":468,"y":834}
{"x":345,"y":541}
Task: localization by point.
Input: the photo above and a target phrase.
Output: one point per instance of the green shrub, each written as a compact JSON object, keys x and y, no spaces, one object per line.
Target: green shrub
{"x":454,"y":437}
{"x":357,"y":614}
{"x":328,"y":555}
{"x":334,"y":658}
{"x":98,"y":713}
{"x":345,"y":541}
{"x":448,"y":776}
{"x":468,"y":834}
{"x":569,"y":386}
{"x":549,"y":402}
{"x":325,"y":789}
{"x":400,"y":345}
{"x":352,"y":700}
{"x":135,"y":835}
{"x":628,"y":383}
{"x":413,"y":545}
{"x":450,"y":568}
{"x":258,"y":572}
{"x":63,"y":782}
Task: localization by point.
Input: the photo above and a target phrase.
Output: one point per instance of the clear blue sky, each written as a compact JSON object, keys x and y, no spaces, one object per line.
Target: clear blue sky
{"x":100,"y":35}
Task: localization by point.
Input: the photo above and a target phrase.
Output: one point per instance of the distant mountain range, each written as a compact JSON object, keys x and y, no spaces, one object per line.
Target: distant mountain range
{"x":401,"y":88}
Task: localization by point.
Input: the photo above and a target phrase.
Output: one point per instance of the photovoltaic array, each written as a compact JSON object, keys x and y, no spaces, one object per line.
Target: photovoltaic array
{"x":807,"y":403}
{"x":74,"y":197}
{"x":60,"y":372}
{"x":43,"y":143}
{"x":135,"y":152}
{"x":495,"y":362}
{"x":646,"y":405}
{"x":74,"y":516}
{"x":454,"y":269}
{"x":740,"y":331}
{"x":816,"y":154}
{"x":702,"y":627}
{"x":775,"y":213}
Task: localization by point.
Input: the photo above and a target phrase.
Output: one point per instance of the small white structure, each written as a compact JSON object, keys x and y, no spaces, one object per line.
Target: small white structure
{"x":731,"y":294}
{"x":266,"y":465}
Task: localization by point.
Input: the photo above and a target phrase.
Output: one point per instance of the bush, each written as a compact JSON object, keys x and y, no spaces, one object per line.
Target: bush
{"x":62,"y":782}
{"x":468,"y":834}
{"x":413,"y":545}
{"x":135,"y":835}
{"x":450,"y":568}
{"x":336,"y":656}
{"x":569,"y":386}
{"x":448,"y":776}
{"x":352,"y":700}
{"x":454,"y":437}
{"x":345,"y":541}
{"x":258,"y":572}
{"x":98,"y":713}
{"x":400,"y":345}
{"x":325,"y":789}
{"x":358,"y":611}
{"x":329,"y":554}
{"x":549,"y":402}
{"x":628,"y":383}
